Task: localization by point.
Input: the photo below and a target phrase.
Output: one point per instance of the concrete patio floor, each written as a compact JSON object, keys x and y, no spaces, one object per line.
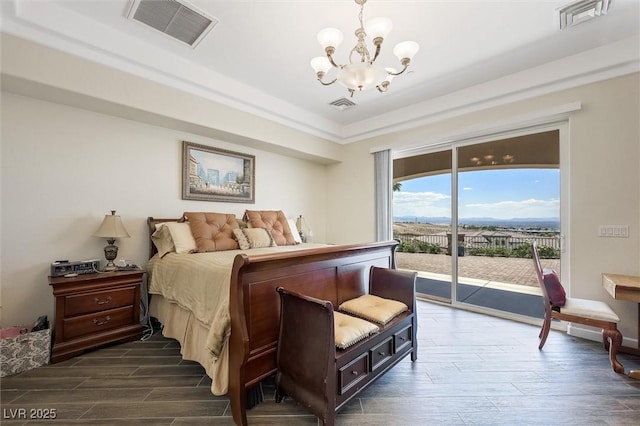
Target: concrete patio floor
{"x":478,"y":269}
{"x":504,"y":284}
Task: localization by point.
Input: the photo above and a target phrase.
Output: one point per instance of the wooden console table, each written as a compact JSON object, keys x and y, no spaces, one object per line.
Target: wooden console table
{"x":625,"y":287}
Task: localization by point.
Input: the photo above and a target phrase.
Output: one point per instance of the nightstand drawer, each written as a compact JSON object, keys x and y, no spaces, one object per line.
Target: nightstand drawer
{"x":98,"y":301}
{"x":97,"y":322}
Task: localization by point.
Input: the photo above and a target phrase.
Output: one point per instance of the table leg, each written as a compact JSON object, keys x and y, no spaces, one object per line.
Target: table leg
{"x":635,"y":374}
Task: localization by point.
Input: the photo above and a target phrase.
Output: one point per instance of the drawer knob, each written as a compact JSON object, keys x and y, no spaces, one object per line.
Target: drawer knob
{"x":381,"y":353}
{"x":354,"y":372}
{"x":403,"y":338}
{"x":96,"y":321}
{"x":102,"y":302}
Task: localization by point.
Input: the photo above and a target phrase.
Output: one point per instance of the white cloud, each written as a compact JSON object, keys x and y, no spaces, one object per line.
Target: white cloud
{"x":511,"y":209}
{"x":467,"y":188}
{"x":421,"y":204}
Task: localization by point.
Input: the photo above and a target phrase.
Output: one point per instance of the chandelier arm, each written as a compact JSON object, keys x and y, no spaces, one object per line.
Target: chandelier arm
{"x":329,"y":83}
{"x":330,"y":57}
{"x":385,"y":86}
{"x":378,"y":43}
{"x":406,"y":65}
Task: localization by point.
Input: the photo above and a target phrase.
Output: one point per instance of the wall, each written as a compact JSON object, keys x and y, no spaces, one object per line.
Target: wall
{"x":40,"y":72}
{"x":64,"y":168}
{"x":604,"y":176}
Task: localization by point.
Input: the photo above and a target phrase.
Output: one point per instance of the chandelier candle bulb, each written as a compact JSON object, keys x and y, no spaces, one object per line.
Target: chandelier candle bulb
{"x":361,"y":73}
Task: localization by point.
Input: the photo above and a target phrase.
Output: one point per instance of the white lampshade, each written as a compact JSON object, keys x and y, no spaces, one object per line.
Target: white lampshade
{"x":321,"y":64}
{"x":406,"y":49}
{"x":361,"y":76}
{"x":378,"y":27}
{"x":330,"y":37}
{"x":111,"y":227}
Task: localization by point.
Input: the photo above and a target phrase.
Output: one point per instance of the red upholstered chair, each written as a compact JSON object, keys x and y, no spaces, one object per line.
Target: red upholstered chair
{"x":581,"y":311}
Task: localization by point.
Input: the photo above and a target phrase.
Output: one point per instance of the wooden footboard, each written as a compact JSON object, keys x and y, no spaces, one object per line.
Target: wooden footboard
{"x":333,"y":273}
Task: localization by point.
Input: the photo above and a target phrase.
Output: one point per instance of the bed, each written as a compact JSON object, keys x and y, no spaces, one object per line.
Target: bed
{"x":231,"y":327}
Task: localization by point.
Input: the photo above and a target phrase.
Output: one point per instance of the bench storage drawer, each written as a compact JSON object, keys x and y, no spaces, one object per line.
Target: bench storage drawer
{"x":402,"y":339}
{"x":381,"y":353}
{"x":353,"y":373}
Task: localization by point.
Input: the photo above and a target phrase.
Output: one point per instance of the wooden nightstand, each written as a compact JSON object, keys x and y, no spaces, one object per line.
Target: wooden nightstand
{"x":94,"y":309}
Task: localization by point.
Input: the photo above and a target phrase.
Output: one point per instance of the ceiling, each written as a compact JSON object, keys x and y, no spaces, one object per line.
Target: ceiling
{"x":257,"y":57}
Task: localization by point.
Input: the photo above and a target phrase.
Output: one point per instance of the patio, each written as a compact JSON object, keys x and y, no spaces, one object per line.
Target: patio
{"x":501,"y":283}
{"x":506,"y":270}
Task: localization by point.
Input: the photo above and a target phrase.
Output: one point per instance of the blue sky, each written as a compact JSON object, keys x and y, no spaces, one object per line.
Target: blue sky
{"x":500,"y":194}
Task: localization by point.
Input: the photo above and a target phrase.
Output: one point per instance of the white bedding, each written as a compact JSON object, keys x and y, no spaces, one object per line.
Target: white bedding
{"x":199,"y":283}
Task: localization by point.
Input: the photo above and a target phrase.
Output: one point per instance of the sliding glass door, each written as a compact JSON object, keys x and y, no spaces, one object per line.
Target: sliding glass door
{"x":508,"y":195}
{"x":468,"y":214}
{"x":422,"y":220}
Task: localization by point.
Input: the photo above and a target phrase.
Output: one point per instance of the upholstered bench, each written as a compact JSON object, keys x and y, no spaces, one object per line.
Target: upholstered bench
{"x":325,"y":357}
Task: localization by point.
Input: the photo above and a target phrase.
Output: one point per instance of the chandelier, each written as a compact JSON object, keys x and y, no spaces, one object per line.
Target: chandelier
{"x":361,"y":73}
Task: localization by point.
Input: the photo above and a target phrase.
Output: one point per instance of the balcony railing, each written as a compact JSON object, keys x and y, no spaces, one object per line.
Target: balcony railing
{"x":439,"y":243}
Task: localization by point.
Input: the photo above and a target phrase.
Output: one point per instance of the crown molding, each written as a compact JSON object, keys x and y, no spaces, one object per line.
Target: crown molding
{"x":23,"y":19}
{"x":602,"y":63}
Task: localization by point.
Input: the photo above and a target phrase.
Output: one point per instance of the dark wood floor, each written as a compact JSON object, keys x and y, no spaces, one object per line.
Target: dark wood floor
{"x":472,"y":369}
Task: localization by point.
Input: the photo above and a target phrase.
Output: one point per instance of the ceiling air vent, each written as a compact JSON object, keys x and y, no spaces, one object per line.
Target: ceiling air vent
{"x":342,"y":104}
{"x":581,"y":11}
{"x":175,"y":18}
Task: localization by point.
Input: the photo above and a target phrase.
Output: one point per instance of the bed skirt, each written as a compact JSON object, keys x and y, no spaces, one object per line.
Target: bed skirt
{"x":181,"y":325}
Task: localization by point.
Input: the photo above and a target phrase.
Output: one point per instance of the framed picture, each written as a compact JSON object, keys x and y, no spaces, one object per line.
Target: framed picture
{"x":212,"y":174}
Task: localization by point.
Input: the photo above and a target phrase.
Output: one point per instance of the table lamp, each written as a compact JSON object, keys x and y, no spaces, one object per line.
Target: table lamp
{"x":305,"y":232}
{"x":111,"y":228}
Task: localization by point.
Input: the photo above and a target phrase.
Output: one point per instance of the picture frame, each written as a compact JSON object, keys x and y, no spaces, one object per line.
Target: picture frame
{"x":214,"y":174}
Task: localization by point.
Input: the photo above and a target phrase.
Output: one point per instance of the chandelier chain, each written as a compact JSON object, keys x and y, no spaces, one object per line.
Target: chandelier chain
{"x":360,"y":48}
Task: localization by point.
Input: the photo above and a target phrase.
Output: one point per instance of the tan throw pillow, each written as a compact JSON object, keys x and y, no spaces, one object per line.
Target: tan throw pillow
{"x":212,"y":231}
{"x":349,"y":330}
{"x":374,"y":308}
{"x":181,"y":236}
{"x":249,"y":238}
{"x":275,"y":222}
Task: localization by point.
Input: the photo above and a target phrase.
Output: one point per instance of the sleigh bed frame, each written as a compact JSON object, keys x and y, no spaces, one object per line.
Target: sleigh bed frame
{"x":335,"y":273}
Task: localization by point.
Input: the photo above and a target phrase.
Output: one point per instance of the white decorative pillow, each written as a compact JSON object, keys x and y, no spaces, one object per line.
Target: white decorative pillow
{"x":294,"y":231}
{"x":249,"y":238}
{"x":349,"y":330}
{"x":161,"y":238}
{"x":374,"y":308}
{"x":182,"y":236}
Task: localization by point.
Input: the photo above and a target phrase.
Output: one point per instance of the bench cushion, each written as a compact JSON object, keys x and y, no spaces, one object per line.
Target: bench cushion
{"x":586,"y":308}
{"x":349,"y":330}
{"x":374,"y":308}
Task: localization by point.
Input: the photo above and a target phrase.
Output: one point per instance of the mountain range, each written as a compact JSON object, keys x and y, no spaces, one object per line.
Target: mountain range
{"x":520,"y":222}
